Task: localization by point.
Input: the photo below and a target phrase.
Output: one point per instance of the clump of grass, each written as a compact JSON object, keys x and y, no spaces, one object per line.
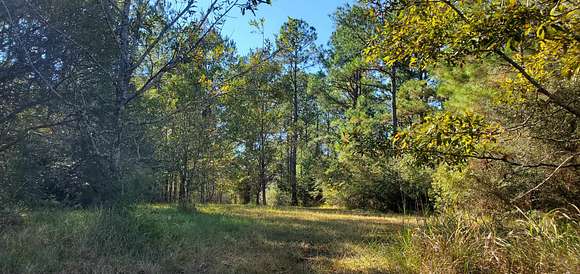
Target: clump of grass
{"x":9,"y":218}
{"x":461,"y":243}
{"x":96,"y":240}
{"x":122,"y":231}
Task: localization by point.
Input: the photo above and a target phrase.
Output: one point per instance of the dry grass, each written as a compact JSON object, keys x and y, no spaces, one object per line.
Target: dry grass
{"x":529,"y":243}
{"x":216,"y":239}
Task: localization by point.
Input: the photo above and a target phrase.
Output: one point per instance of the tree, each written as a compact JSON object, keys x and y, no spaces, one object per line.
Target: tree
{"x":51,"y":90}
{"x":91,"y":61}
{"x":524,"y":85}
{"x":296,"y":44}
{"x":178,"y":34}
{"x":252,"y":118}
{"x":423,"y":32}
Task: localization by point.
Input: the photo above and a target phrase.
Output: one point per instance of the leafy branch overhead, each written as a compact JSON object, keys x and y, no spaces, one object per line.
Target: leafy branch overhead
{"x":538,"y":41}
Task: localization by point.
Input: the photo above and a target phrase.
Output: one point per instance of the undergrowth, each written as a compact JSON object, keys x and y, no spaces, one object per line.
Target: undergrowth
{"x":461,"y":243}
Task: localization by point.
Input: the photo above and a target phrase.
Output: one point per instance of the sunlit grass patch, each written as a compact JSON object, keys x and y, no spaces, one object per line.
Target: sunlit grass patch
{"x":365,"y":258}
{"x":159,"y":238}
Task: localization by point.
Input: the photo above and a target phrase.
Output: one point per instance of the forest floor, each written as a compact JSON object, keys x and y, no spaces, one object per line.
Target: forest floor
{"x":214,"y":239}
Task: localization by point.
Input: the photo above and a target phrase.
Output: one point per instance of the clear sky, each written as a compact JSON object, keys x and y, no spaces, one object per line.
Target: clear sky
{"x":314,"y":12}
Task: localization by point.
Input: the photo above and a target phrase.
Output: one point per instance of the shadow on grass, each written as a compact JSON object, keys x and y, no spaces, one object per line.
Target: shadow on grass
{"x":330,"y":210}
{"x":236,"y":239}
{"x":216,"y":239}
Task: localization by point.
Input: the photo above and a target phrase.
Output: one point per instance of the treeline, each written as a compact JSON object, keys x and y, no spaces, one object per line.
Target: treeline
{"x":410,"y":106}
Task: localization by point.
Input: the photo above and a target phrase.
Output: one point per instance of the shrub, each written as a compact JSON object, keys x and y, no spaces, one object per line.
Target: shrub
{"x":277,"y":197}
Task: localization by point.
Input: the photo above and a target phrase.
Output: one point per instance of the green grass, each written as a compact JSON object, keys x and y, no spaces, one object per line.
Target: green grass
{"x":215,"y":239}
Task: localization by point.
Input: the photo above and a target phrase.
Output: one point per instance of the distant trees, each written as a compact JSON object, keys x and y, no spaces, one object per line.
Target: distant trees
{"x":153,"y":40}
{"x":184,"y":118}
{"x":253,"y":120}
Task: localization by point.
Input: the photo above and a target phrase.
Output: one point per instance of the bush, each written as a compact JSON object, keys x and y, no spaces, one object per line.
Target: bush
{"x":9,"y":218}
{"x":449,"y":188}
{"x":391,"y":185}
{"x":277,"y":197}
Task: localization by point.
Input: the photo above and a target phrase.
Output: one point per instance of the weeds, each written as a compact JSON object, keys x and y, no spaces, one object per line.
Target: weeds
{"x":461,"y":243}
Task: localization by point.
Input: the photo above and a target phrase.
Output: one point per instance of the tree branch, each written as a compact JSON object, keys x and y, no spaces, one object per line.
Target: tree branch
{"x":162,"y":33}
{"x":545,"y":180}
{"x":541,"y":89}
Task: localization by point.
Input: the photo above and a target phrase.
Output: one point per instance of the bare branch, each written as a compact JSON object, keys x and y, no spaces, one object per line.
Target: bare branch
{"x":31,"y":64}
{"x":176,"y":60}
{"x":545,"y":180}
{"x":69,"y":38}
{"x":162,"y":34}
{"x":19,"y":137}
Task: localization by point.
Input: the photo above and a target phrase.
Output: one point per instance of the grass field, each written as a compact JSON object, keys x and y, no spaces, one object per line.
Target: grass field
{"x":215,"y":239}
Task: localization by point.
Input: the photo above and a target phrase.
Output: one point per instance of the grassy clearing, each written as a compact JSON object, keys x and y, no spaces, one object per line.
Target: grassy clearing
{"x":216,"y":239}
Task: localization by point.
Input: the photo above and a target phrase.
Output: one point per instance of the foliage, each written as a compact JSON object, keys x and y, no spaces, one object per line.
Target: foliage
{"x":448,"y":138}
{"x":466,"y":111}
{"x":422,"y":33}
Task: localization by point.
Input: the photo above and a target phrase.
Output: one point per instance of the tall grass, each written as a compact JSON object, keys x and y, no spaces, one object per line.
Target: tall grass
{"x":88,"y":241}
{"x":461,"y":243}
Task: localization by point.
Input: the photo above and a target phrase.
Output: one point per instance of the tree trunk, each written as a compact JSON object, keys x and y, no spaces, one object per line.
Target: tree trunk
{"x":166,"y":190}
{"x":264,"y":193}
{"x":263,"y":164}
{"x":182,"y":190}
{"x":184,"y":194}
{"x":122,"y":91}
{"x":263,"y":179}
{"x":294,"y":140}
{"x":393,"y":76}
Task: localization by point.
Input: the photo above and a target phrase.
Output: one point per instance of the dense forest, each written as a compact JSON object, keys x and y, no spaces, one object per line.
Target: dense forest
{"x":463,"y":114}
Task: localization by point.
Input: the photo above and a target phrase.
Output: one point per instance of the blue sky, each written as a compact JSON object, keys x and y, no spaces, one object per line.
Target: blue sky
{"x":314,"y":12}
